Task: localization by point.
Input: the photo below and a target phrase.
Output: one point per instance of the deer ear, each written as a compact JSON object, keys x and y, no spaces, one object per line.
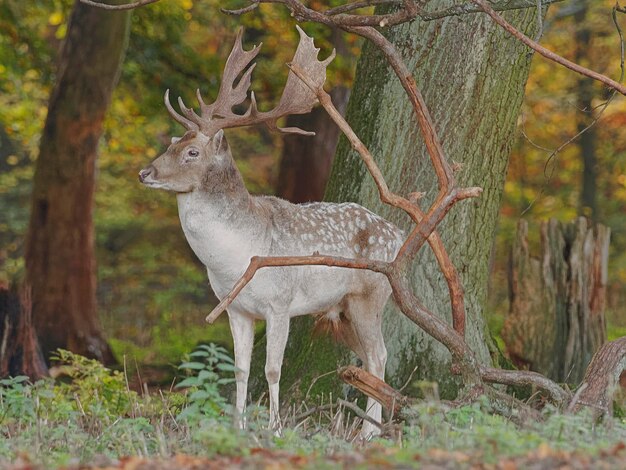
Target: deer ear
{"x":219,"y":144}
{"x":175,"y":139}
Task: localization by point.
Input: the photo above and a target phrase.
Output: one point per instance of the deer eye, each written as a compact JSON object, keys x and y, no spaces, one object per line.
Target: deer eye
{"x":191,"y":154}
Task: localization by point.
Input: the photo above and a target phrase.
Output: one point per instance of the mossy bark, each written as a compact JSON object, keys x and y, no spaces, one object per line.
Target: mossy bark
{"x":60,"y":256}
{"x":472,"y":75}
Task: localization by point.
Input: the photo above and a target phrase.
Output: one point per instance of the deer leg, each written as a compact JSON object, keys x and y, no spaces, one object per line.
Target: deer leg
{"x":242,"y":329}
{"x":277,"y":333}
{"x":365,"y":316}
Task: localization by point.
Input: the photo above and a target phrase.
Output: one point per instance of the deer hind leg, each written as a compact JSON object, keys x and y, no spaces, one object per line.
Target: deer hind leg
{"x":277,"y":333}
{"x":242,"y":329}
{"x":364,"y":336}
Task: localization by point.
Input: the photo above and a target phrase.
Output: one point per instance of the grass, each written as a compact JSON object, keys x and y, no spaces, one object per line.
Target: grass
{"x":92,"y":416}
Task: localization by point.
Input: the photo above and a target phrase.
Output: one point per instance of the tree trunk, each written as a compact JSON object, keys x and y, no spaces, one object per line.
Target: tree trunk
{"x":556,"y":319}
{"x":60,"y":258}
{"x":472,"y":75}
{"x":306,"y":161}
{"x":585,"y":90}
{"x":19,"y":350}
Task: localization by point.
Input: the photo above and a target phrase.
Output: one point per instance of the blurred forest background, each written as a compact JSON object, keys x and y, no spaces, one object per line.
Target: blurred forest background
{"x":152,"y":291}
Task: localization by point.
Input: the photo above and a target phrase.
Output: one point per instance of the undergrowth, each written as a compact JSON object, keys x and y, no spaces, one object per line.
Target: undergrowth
{"x":89,"y":414}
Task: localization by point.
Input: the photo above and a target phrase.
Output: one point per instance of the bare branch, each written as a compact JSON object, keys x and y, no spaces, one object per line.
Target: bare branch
{"x":467,"y":8}
{"x":548,"y":54}
{"x":358,"y":5}
{"x":443,"y":170}
{"x":411,"y":208}
{"x":125,"y":6}
{"x":258,"y":262}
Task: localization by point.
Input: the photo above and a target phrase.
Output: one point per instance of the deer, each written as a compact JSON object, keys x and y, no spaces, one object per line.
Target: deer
{"x":226,"y":226}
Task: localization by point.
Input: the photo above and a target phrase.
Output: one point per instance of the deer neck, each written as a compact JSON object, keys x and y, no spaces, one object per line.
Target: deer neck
{"x":220,"y":221}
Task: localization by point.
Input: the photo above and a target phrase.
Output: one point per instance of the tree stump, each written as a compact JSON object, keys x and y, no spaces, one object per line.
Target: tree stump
{"x":556,"y":316}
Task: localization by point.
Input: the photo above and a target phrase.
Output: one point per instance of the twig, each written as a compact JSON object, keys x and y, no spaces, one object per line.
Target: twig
{"x":125,"y":6}
{"x":359,"y":412}
{"x":549,"y":173}
{"x":253,"y":6}
{"x":548,"y":54}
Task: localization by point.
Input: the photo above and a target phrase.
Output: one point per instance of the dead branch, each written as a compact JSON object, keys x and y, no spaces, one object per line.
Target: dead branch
{"x":386,"y":196}
{"x":125,"y":6}
{"x":548,"y":54}
{"x":258,"y":262}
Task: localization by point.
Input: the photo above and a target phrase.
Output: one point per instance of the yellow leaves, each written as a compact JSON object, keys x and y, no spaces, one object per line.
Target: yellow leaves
{"x":12,"y":160}
{"x":186,"y":4}
{"x":56,"y":18}
{"x":61,"y":31}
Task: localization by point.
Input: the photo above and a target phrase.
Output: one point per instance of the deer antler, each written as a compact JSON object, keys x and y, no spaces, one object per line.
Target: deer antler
{"x":297,"y":98}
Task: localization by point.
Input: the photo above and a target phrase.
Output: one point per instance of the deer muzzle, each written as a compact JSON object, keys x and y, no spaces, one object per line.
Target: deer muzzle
{"x":145,"y":173}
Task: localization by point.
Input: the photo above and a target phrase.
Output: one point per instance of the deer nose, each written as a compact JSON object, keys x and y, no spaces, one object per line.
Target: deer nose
{"x":143,"y":174}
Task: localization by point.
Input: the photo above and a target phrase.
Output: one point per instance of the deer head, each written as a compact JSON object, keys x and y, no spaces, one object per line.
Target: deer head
{"x":185,"y":164}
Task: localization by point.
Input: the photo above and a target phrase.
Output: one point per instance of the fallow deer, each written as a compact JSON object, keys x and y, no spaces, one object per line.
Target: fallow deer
{"x":226,"y":226}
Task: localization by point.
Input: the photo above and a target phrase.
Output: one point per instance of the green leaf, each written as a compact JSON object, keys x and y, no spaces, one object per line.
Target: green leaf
{"x":227,"y":368}
{"x":192,"y":365}
{"x":189,"y":382}
{"x":200,"y":395}
{"x":203,"y":375}
{"x":199,"y":354}
{"x":225,"y":381}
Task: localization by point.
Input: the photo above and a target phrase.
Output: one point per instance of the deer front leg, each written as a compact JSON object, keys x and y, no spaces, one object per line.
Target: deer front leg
{"x":277,"y":333}
{"x":242,"y":329}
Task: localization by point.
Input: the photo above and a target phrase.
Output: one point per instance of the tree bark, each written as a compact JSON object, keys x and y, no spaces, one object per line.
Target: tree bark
{"x":306,"y":161}
{"x":19,"y":350}
{"x":556,"y":319}
{"x":60,"y":258}
{"x":605,"y":375}
{"x":472,"y":75}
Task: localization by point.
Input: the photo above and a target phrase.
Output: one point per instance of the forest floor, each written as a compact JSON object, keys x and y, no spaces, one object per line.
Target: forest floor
{"x":92,"y":419}
{"x":373,"y":456}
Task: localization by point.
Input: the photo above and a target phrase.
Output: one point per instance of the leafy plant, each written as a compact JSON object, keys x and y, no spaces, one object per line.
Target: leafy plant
{"x":99,"y":393}
{"x":204,"y":379}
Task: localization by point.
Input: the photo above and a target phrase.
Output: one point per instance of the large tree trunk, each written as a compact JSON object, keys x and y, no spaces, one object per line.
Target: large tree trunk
{"x":60,"y":258}
{"x":556,"y":319}
{"x":472,"y":75}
